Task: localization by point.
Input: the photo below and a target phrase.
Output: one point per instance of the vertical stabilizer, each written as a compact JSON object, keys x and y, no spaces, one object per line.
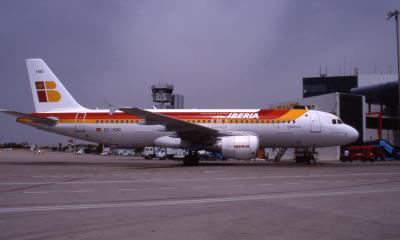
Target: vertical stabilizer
{"x":49,"y":94}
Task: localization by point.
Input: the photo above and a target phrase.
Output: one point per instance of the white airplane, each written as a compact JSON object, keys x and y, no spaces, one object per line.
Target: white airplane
{"x":237,"y":133}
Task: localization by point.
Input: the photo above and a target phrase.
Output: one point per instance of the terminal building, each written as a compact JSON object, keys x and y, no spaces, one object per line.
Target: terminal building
{"x":369,"y":103}
{"x":380,"y":103}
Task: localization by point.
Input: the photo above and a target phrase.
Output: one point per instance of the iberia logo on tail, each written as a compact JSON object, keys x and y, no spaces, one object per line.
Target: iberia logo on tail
{"x":46,"y":91}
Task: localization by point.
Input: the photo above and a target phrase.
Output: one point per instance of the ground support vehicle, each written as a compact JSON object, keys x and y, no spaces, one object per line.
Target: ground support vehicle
{"x":364,"y":153}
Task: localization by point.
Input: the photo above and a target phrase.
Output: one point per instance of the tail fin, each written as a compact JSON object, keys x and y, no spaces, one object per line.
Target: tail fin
{"x":49,"y":94}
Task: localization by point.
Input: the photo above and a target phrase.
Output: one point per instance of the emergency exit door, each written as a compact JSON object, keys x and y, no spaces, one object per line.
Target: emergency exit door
{"x":218,"y":123}
{"x":80,"y":122}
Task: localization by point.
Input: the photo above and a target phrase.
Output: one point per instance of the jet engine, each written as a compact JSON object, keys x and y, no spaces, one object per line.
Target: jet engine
{"x":238,"y":147}
{"x":170,"y":142}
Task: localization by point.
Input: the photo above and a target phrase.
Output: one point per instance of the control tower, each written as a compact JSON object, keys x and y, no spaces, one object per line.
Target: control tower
{"x":163,"y":97}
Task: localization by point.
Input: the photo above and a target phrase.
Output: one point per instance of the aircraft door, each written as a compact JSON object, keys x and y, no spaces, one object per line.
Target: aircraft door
{"x":315,"y":122}
{"x":79,"y":122}
{"x":218,"y":122}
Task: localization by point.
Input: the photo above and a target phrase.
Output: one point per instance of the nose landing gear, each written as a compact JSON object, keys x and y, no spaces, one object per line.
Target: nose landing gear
{"x":305,"y":155}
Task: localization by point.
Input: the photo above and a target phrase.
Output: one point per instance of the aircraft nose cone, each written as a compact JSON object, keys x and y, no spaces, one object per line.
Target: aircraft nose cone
{"x":352,"y":134}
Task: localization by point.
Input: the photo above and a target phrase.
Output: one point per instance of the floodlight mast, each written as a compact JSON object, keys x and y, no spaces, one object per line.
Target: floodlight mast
{"x":395,"y":14}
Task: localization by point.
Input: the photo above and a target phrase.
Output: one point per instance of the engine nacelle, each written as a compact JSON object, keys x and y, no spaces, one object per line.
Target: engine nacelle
{"x":239,"y":147}
{"x":170,"y":142}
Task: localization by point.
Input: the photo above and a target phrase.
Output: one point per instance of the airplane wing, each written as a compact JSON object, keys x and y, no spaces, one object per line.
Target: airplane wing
{"x":29,"y":118}
{"x":195,"y":133}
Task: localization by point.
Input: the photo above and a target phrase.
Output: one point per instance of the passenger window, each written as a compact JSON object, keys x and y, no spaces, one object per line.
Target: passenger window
{"x":333,"y":121}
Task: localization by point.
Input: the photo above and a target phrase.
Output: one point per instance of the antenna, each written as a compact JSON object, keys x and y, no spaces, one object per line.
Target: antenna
{"x":344,"y":66}
{"x":321,"y":73}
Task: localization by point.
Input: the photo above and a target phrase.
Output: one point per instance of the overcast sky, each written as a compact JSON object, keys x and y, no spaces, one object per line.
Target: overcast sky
{"x":218,"y":53}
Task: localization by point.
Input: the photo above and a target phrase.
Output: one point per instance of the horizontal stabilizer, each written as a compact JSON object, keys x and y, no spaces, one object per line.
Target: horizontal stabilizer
{"x":29,"y":118}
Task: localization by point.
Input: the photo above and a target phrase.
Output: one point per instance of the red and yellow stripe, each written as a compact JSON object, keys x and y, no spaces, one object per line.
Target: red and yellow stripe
{"x":264,"y":116}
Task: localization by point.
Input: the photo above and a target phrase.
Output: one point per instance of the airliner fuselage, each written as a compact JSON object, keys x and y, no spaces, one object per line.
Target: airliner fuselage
{"x":275,"y":128}
{"x":237,"y":133}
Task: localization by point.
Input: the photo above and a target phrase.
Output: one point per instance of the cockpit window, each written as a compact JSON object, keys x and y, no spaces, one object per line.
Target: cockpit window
{"x":339,"y":121}
{"x":333,"y":121}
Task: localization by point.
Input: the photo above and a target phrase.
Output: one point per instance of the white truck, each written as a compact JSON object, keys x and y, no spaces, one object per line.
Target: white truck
{"x":148,"y":153}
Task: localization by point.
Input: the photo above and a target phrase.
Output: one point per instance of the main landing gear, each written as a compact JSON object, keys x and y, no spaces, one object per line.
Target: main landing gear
{"x":192,"y":159}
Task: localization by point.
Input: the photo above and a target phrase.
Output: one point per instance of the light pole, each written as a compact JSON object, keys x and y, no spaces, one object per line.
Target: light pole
{"x":395,"y":14}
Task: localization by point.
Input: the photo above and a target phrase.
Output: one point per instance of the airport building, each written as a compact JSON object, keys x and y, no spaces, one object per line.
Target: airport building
{"x":163,"y":97}
{"x":369,"y":103}
{"x":381,"y":101}
{"x":323,"y":84}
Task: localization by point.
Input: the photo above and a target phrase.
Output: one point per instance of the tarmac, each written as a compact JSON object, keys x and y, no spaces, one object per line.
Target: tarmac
{"x":66,"y":196}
